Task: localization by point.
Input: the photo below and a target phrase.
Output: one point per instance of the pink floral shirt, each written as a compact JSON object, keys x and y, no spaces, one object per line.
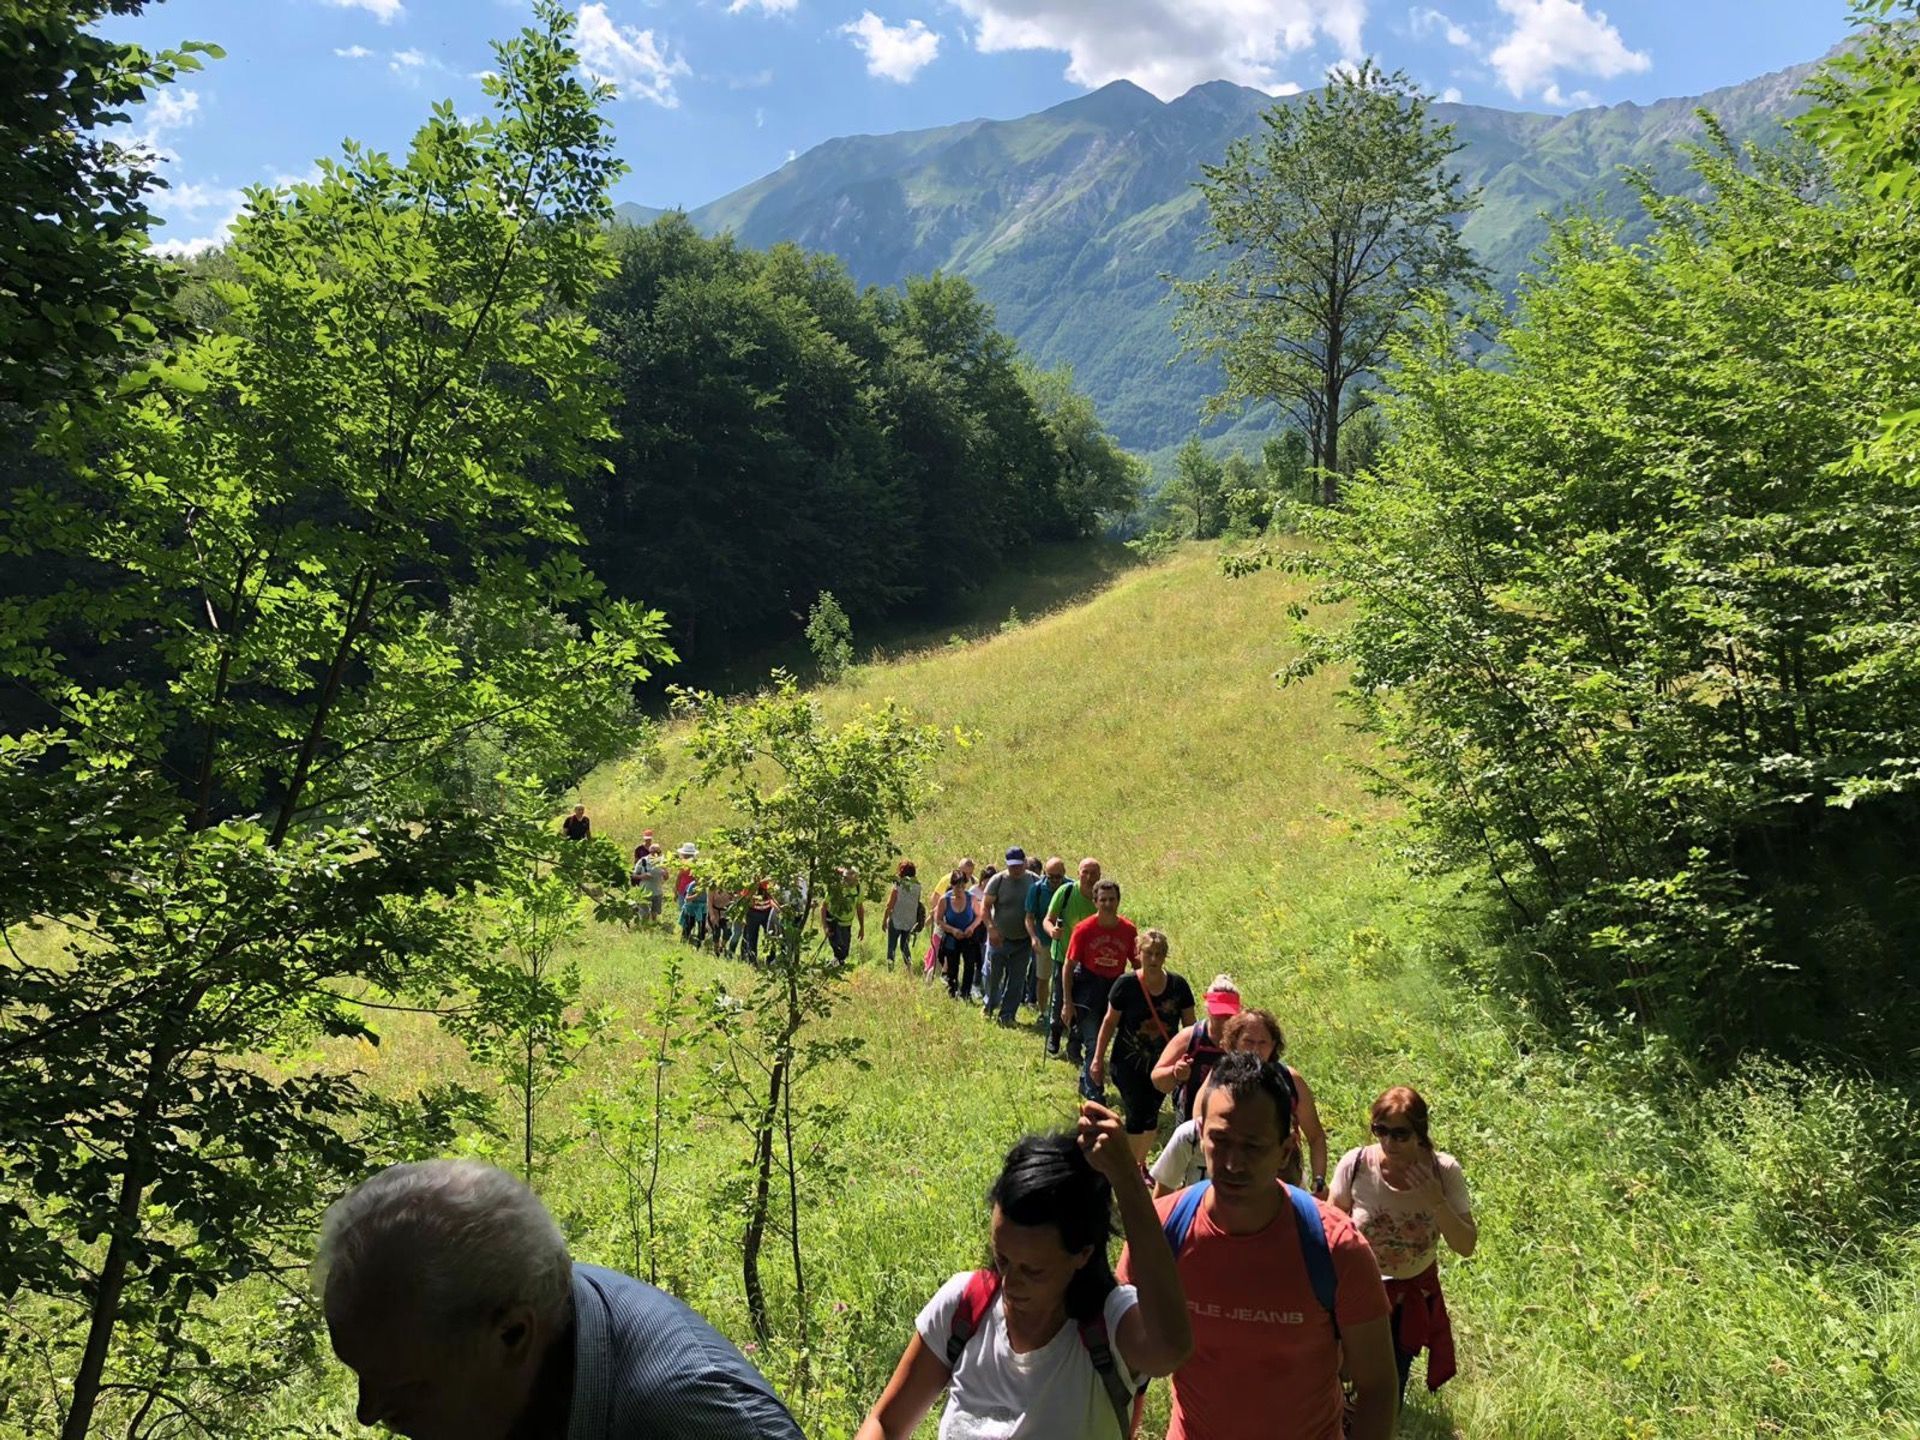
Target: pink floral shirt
{"x":1403,"y":1233}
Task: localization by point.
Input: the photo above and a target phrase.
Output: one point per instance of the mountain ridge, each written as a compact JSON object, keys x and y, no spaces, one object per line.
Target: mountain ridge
{"x":1067,"y":219}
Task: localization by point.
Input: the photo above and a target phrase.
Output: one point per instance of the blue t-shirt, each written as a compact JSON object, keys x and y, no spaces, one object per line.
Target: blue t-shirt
{"x":645,"y":1365}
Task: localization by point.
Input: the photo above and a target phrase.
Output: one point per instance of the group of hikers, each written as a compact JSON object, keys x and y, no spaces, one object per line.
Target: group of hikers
{"x":1280,"y":1297}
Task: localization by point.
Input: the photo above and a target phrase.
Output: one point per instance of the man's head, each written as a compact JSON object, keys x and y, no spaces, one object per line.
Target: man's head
{"x":578,"y":811}
{"x":1056,"y":868}
{"x":1246,"y":1119}
{"x":1089,"y":873}
{"x":444,"y":1284}
{"x":1106,"y":898}
{"x":1016,"y":860}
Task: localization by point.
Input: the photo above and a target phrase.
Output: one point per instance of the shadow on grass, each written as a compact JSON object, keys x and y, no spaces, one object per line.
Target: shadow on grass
{"x":1041,"y":580}
{"x":1425,"y":1417}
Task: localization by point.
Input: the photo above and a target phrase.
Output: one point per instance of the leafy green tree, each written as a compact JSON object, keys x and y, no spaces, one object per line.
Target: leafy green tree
{"x":813,"y":805}
{"x":520,"y":1013}
{"x":1284,"y":468}
{"x":646,"y":1118}
{"x":1098,"y":483}
{"x":79,"y":290}
{"x":1199,"y":484}
{"x":215,"y":815}
{"x":830,"y":637}
{"x":1332,"y":223}
{"x":783,"y":434}
{"x":1634,"y":606}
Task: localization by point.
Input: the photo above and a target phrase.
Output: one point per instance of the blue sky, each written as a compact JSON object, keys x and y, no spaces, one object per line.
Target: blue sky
{"x":715,"y":93}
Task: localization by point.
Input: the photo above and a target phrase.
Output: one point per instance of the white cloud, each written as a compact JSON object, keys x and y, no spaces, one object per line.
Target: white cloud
{"x":1427,"y":21}
{"x":770,"y":7}
{"x":168,"y":111}
{"x":759,"y":118}
{"x":353,"y":52}
{"x":792,"y":155}
{"x":894,"y":52}
{"x":1550,"y":36}
{"x":1450,"y":95}
{"x":1552,"y":95}
{"x":1169,"y":46}
{"x":385,"y":11}
{"x":632,"y":61}
{"x":405,"y":60}
{"x":759,"y":80}
{"x":196,"y":199}
{"x":209,"y":240}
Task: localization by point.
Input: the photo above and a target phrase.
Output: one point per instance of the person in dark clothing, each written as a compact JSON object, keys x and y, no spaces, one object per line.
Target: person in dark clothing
{"x":1144,"y":1009}
{"x":449,"y":1292}
{"x":577,"y":826}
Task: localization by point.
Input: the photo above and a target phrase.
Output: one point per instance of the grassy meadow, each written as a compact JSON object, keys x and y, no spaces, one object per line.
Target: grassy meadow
{"x":1652,"y":1263}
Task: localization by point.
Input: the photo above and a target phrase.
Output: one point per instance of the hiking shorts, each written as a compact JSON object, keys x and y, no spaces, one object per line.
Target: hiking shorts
{"x":1140,"y":1101}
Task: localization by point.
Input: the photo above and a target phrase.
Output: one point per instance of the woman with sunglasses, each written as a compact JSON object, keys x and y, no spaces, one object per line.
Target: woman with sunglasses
{"x":1406,"y":1197}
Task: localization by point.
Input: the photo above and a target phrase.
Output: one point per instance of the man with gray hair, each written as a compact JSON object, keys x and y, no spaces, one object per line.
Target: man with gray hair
{"x":450,"y":1294}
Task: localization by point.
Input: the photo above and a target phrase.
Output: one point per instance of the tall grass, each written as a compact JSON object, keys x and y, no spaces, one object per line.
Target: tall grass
{"x":1652,"y":1263}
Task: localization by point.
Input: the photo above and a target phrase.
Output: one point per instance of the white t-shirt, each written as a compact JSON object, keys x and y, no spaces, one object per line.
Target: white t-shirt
{"x":1181,"y":1164}
{"x":1404,"y":1235}
{"x":1052,"y":1393}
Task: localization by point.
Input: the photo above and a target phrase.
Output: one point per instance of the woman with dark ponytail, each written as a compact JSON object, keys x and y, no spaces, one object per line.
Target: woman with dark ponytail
{"x":1046,"y":1343}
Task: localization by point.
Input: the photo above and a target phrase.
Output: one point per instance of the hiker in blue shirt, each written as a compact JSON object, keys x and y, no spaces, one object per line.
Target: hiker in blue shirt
{"x":450,"y":1294}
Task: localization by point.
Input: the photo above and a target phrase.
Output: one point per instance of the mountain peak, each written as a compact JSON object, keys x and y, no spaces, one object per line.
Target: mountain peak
{"x":1221,"y":96}
{"x":1118,"y":101}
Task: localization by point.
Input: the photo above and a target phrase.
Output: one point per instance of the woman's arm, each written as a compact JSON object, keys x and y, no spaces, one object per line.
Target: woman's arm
{"x":1097,"y":1064}
{"x":917,"y":1382}
{"x":1170,"y":1071}
{"x":1155,"y":1337}
{"x":1459,"y":1231}
{"x":1315,"y":1132}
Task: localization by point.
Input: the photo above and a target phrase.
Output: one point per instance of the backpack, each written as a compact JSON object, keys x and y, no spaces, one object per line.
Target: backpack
{"x":983,"y":1286}
{"x":1306,"y":1217}
{"x":1183,"y":1098}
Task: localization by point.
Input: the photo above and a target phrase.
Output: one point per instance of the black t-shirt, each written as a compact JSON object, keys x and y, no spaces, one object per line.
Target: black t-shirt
{"x":577,"y":827}
{"x":1137,"y":1038}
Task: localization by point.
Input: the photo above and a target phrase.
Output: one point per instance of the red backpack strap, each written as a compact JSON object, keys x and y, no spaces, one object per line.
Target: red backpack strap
{"x":981,"y":1288}
{"x":1126,"y":1403}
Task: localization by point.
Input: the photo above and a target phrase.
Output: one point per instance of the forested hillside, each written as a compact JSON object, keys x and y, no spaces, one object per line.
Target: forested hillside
{"x":1066,"y":220}
{"x":783,"y":434}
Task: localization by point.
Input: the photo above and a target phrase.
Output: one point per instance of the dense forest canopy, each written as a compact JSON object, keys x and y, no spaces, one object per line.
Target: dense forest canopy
{"x":781,"y":433}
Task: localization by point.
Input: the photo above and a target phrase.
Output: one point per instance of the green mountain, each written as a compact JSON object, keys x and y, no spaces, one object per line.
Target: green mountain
{"x":1067,"y":220}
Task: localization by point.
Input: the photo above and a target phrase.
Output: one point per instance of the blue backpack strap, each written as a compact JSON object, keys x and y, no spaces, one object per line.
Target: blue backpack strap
{"x":1180,"y":1219}
{"x":975,"y":1300}
{"x":1319,"y":1255}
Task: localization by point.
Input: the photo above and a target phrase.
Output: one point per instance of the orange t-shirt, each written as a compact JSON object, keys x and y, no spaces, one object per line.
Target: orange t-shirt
{"x":1264,"y":1361}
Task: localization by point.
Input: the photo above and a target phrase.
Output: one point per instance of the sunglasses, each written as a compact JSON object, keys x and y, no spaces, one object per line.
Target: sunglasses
{"x":1392,"y":1132}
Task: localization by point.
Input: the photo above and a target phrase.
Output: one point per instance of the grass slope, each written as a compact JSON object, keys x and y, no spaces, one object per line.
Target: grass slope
{"x":1642,"y":1272}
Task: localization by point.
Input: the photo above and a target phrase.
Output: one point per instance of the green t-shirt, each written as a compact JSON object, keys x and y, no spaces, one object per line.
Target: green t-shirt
{"x":1069,"y":907}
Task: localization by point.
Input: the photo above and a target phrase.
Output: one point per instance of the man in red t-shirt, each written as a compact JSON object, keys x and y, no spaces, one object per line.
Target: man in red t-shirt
{"x":1266,"y":1358}
{"x":1102,"y":948}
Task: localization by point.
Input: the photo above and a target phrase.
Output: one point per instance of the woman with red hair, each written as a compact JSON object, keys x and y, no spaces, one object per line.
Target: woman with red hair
{"x":1406,"y":1197}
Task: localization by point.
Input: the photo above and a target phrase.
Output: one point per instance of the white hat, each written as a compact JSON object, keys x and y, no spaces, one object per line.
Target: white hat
{"x":688,"y":851}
